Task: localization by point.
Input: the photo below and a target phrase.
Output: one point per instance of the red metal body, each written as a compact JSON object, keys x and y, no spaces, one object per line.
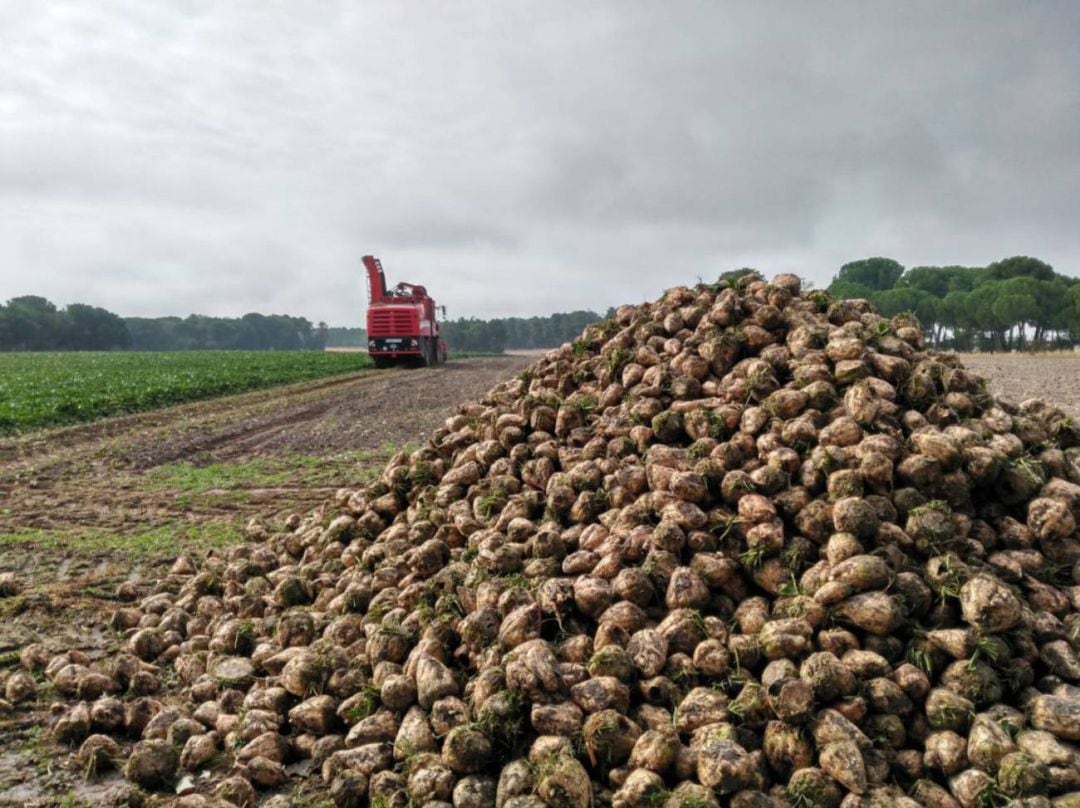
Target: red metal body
{"x":402,"y":322}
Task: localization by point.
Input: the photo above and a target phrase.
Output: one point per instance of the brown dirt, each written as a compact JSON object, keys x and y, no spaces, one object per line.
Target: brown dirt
{"x":85,"y":508}
{"x":1015,"y":377}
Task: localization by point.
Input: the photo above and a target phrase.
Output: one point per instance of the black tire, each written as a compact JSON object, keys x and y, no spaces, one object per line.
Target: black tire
{"x":425,"y":352}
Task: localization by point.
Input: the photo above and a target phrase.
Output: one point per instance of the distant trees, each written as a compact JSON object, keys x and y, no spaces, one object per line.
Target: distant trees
{"x":1013,"y":304}
{"x":32,"y":323}
{"x":1020,"y":266}
{"x":551,"y":331}
{"x":496,"y":335}
{"x":253,"y":331}
{"x":340,"y":337}
{"x":93,"y":328}
{"x":874,"y":274}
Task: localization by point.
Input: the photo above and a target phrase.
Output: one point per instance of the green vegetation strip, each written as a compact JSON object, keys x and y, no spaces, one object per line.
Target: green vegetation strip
{"x":151,"y":543}
{"x":268,"y":472}
{"x":51,"y":389}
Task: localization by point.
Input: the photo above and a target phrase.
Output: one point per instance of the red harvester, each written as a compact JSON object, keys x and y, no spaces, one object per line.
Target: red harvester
{"x":402,"y":326}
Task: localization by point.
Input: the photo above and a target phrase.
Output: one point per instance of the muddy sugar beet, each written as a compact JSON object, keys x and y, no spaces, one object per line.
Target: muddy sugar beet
{"x":740,"y":546}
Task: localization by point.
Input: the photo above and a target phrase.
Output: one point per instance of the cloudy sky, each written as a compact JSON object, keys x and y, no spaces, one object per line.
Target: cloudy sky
{"x":183,"y":156}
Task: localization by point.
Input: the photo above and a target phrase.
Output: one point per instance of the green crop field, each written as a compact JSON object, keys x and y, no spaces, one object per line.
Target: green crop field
{"x":48,"y":389}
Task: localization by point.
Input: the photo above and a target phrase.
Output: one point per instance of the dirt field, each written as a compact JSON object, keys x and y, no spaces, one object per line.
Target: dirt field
{"x":1015,"y":377}
{"x":85,"y":508}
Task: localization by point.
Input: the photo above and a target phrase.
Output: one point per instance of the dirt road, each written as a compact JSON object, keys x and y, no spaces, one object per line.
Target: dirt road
{"x":86,"y":508}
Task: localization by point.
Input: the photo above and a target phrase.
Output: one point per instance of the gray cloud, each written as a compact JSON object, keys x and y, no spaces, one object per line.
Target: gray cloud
{"x":203,"y":157}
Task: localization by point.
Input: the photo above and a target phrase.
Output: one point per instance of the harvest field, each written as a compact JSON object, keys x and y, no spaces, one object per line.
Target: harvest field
{"x":1015,"y":377}
{"x":48,"y":389}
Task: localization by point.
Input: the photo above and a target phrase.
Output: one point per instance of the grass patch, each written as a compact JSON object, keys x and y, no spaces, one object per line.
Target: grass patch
{"x":265,"y":472}
{"x":253,"y":473}
{"x":158,"y":541}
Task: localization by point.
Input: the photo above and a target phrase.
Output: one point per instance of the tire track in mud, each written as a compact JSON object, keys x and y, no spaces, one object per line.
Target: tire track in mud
{"x":397,"y":407}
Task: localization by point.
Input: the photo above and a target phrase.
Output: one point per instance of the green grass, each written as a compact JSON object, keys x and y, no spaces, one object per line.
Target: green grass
{"x":145,"y":544}
{"x":258,"y":472}
{"x":264,"y":472}
{"x":52,"y":389}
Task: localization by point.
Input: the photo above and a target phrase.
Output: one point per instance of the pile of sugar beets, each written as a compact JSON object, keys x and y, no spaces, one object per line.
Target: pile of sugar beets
{"x":745,"y":545}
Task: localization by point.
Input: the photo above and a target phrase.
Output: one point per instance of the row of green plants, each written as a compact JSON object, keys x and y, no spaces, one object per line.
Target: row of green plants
{"x":48,"y":389}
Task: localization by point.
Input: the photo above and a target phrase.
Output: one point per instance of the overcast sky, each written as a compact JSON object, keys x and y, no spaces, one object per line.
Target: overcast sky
{"x":521,"y":158}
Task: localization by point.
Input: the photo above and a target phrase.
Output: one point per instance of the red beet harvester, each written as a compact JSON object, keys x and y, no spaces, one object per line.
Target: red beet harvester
{"x":402,"y":323}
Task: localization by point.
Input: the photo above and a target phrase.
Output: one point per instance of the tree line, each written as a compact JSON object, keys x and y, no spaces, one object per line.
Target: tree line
{"x":1018,"y":303}
{"x":517,"y":333}
{"x":32,"y":323}
{"x":252,"y":332}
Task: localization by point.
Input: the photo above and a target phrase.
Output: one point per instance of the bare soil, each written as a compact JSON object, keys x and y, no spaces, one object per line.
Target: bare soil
{"x":1054,"y":377}
{"x":85,"y":508}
